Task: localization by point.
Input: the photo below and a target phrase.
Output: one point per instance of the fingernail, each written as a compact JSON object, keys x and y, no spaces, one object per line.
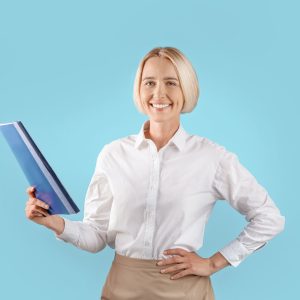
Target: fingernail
{"x":172,"y":277}
{"x":159,"y":263}
{"x":162,"y":271}
{"x":165,"y":252}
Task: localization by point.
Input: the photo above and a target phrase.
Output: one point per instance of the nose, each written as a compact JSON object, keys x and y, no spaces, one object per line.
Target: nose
{"x":159,"y":91}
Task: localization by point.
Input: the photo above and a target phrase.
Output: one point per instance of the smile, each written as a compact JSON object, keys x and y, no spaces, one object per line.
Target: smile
{"x":160,"y":106}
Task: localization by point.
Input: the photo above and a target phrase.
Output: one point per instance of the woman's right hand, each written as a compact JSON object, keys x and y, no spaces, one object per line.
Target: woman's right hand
{"x":36,"y":210}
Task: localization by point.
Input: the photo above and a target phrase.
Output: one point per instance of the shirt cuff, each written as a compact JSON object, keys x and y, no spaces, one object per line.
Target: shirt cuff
{"x":235,"y":252}
{"x":70,"y":233}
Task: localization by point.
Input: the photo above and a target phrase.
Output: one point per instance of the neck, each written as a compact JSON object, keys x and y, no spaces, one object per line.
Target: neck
{"x":161,"y":132}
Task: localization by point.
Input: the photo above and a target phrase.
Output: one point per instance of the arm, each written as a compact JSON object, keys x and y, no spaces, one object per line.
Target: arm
{"x":238,"y":186}
{"x":55,"y":223}
{"x":234,"y":183}
{"x":89,"y":234}
{"x":218,"y":262}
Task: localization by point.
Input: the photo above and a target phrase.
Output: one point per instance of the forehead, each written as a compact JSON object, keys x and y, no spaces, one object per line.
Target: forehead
{"x":159,"y":67}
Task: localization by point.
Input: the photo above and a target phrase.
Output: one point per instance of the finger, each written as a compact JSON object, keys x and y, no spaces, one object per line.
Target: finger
{"x":37,"y":214}
{"x":180,"y":274}
{"x":40,"y":203}
{"x":174,"y":273}
{"x":31,"y":191}
{"x":40,"y":210}
{"x":171,"y":260}
{"x":176,"y":251}
{"x":174,"y":268}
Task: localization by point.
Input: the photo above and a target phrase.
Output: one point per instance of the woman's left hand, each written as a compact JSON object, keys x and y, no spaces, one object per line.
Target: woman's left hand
{"x":186,"y":263}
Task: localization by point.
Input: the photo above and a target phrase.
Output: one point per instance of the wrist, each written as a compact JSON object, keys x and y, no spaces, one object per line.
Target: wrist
{"x":212,"y":266}
{"x":55,"y":223}
{"x":217,"y":262}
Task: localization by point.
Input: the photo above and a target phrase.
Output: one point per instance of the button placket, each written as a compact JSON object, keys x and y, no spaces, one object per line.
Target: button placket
{"x":151,"y":202}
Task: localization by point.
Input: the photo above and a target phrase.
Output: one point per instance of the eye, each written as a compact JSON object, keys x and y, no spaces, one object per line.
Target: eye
{"x":172,"y":83}
{"x":149,"y":83}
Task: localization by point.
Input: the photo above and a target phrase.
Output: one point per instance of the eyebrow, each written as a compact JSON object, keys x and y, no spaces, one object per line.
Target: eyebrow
{"x":165,"y":78}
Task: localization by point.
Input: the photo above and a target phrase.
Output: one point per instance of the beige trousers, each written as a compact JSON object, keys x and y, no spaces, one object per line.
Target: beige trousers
{"x":140,"y":279}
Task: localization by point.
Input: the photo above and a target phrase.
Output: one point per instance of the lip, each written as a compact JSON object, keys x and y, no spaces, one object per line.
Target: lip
{"x":161,"y":109}
{"x":160,"y":103}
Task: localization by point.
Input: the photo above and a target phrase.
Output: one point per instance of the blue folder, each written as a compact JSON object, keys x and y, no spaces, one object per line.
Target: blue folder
{"x":38,"y":172}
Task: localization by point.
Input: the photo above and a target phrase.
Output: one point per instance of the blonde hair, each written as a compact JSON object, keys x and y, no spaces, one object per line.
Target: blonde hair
{"x":185,"y":72}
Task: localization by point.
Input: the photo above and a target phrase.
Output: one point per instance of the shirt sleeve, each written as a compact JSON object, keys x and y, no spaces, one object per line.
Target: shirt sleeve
{"x":90,"y":234}
{"x":234,"y":183}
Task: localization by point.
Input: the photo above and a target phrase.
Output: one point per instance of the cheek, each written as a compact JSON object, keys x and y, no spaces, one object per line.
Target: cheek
{"x":176,"y":93}
{"x":144,"y":94}
{"x":177,"y":97}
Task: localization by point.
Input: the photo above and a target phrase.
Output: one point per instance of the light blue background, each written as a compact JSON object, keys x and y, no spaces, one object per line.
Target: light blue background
{"x":67,"y":70}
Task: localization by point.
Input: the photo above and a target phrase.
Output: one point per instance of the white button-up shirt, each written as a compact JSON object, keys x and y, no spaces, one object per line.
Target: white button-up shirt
{"x":141,"y":201}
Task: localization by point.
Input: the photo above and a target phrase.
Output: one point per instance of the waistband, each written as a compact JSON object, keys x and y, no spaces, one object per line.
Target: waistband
{"x":135,"y":262}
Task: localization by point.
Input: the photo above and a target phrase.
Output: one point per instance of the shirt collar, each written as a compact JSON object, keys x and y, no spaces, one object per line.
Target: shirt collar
{"x":178,"y":139}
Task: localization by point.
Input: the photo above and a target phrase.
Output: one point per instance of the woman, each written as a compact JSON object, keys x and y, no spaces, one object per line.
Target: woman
{"x":152,"y":194}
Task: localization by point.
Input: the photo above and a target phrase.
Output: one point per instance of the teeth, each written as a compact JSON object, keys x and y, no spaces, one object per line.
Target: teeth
{"x":160,"y":105}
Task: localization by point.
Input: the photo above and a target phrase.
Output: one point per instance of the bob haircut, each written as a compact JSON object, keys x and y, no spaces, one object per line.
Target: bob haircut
{"x":186,"y":74}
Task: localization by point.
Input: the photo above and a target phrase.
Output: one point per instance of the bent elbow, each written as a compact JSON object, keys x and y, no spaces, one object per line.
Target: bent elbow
{"x":94,"y":245}
{"x":280,"y":223}
{"x":97,"y":248}
{"x":91,"y":239}
{"x":92,"y":248}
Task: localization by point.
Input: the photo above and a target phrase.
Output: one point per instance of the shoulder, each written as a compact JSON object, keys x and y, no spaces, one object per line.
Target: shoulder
{"x":217,"y":155}
{"x":118,"y":146}
{"x":207,"y":146}
{"x":121,"y":143}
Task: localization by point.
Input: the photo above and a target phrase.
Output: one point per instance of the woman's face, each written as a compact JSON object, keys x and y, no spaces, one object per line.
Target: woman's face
{"x":160,"y":90}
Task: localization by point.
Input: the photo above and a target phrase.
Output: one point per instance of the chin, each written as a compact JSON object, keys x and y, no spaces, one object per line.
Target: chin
{"x":160,"y":119}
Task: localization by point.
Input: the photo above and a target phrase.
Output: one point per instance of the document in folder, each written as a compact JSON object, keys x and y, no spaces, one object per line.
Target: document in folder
{"x":37,"y":170}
